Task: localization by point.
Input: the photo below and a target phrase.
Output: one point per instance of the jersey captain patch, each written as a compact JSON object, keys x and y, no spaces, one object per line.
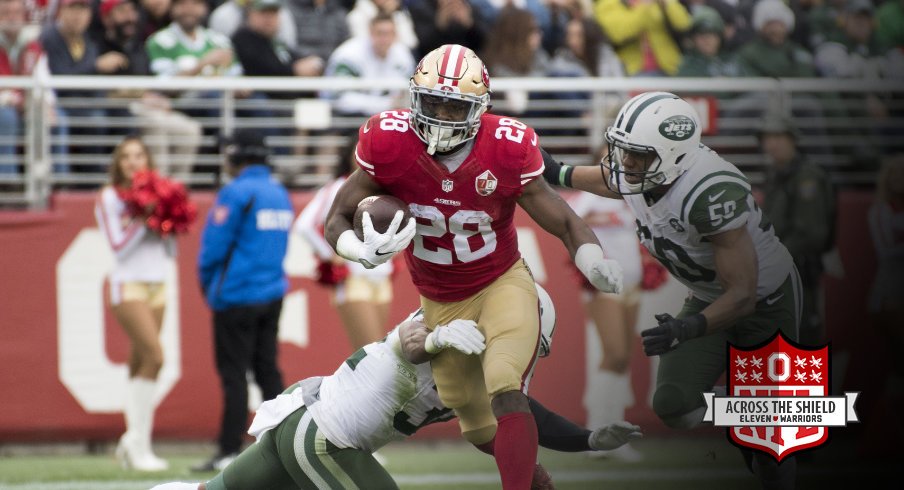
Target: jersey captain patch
{"x":485,"y":183}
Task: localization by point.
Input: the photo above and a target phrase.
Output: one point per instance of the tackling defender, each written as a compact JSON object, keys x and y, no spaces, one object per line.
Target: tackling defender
{"x":695,"y":213}
{"x":461,"y":171}
{"x":321,"y":432}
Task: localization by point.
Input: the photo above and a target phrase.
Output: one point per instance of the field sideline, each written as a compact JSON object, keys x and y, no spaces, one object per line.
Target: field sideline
{"x":699,"y":464}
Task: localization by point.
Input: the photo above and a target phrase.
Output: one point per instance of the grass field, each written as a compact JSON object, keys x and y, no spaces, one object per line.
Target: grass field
{"x":699,"y":464}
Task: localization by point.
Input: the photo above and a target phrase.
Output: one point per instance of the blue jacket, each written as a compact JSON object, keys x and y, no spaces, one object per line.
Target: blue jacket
{"x":244,"y":242}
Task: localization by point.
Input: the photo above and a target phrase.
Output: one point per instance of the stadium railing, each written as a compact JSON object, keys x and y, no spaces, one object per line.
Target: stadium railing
{"x":840,"y":128}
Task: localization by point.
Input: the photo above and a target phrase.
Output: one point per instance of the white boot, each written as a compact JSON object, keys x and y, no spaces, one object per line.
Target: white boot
{"x":614,"y":389}
{"x":134,"y":449}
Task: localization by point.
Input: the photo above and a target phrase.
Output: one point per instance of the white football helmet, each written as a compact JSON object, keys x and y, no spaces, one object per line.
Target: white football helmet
{"x":657,"y":123}
{"x":450,"y":90}
{"x":547,"y":321}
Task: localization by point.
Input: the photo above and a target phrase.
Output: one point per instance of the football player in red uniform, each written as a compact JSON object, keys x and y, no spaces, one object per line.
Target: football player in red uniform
{"x":462,"y":171}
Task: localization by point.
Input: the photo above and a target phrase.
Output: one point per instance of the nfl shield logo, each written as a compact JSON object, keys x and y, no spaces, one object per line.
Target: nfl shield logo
{"x":485,"y":183}
{"x":779,"y":368}
{"x":447,"y":185}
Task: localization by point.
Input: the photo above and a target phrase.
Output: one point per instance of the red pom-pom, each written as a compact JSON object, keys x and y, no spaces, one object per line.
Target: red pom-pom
{"x":163,"y":203}
{"x":330,"y":274}
{"x":654,"y":274}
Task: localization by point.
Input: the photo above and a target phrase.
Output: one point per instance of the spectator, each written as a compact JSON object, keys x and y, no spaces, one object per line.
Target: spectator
{"x":540,"y":9}
{"x":71,"y":51}
{"x":800,"y":202}
{"x":362,"y":296}
{"x":227,"y":18}
{"x":263,"y":53}
{"x":120,"y":30}
{"x":186,"y":48}
{"x":154,"y":15}
{"x":365,"y":10}
{"x":890,"y":24}
{"x":513,"y":50}
{"x":320,"y":25}
{"x":42,"y":11}
{"x":706,"y":58}
{"x":377,"y":56}
{"x":138,"y":299}
{"x":20,"y":53}
{"x":772,"y":53}
{"x":821,"y":21}
{"x":586,"y":52}
{"x":646,"y":33}
{"x":857,"y":54}
{"x":241,"y":273}
{"x":439,"y":22}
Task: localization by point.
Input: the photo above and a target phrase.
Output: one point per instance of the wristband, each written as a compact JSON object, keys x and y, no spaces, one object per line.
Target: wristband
{"x":587,"y":255}
{"x":565,"y":175}
{"x":349,"y":246}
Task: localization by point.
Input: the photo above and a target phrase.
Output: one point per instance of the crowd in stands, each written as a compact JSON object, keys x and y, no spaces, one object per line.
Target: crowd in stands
{"x":854,"y":39}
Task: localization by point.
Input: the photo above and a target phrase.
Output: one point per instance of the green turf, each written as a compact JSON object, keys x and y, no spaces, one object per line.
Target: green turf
{"x":698,"y":464}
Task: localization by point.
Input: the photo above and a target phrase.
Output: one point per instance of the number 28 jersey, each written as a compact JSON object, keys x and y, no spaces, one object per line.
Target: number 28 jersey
{"x":465,"y":231}
{"x":711,"y":197}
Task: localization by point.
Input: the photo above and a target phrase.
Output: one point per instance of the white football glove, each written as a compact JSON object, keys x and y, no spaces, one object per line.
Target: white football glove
{"x":376,"y":248}
{"x":462,"y":335}
{"x":613,"y":436}
{"x":605,"y":274}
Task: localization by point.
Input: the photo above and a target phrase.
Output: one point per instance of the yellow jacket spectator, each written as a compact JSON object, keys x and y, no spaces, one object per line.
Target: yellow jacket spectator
{"x":643,"y":32}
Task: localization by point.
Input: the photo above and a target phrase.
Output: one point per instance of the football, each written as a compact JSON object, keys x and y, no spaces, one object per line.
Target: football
{"x":382,"y":209}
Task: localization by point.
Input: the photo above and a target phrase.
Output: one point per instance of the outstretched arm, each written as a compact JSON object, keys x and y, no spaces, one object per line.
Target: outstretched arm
{"x":560,"y":434}
{"x":554,"y":215}
{"x":419,"y":344}
{"x":588,"y":178}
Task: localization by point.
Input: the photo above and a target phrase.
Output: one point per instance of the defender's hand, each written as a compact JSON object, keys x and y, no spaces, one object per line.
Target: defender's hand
{"x":613,"y":436}
{"x":462,"y":335}
{"x":671,"y":332}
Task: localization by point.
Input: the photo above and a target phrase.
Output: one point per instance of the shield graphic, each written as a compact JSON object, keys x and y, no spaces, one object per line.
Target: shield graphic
{"x":778,"y":368}
{"x":447,"y":185}
{"x":485,"y":183}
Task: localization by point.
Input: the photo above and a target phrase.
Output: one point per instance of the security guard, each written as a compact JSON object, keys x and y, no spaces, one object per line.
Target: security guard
{"x":800,"y":202}
{"x":240,"y":270}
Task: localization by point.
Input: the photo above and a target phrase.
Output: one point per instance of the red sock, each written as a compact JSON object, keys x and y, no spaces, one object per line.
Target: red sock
{"x":516,"y":450}
{"x":487,"y":447}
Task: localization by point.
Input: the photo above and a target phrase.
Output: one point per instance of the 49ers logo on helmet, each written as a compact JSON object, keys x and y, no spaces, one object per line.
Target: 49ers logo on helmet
{"x":486,"y":77}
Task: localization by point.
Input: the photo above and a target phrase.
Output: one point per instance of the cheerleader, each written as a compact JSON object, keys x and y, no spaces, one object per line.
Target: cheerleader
{"x":138,"y":299}
{"x":362,"y":296}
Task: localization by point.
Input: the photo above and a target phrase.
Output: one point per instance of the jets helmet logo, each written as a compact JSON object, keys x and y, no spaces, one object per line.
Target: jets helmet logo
{"x":678,"y":128}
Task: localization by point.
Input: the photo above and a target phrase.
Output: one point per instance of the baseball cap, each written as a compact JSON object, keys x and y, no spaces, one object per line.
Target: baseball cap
{"x":107,"y":6}
{"x":265,"y":4}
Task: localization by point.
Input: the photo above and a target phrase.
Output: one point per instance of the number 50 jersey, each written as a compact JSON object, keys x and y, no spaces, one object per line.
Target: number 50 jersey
{"x":465,"y":234}
{"x":711,"y":197}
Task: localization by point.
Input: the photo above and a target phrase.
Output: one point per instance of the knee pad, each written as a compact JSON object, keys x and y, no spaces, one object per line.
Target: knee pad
{"x":670,"y":406}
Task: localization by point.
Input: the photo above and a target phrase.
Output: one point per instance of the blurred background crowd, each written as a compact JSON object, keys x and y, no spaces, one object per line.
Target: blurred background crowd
{"x":854,"y":40}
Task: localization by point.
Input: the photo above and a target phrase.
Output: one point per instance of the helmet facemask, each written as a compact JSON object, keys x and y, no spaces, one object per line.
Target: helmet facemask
{"x":445,"y":119}
{"x":627,"y":182}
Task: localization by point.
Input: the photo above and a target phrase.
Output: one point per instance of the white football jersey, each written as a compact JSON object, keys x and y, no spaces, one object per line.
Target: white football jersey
{"x":711,"y":197}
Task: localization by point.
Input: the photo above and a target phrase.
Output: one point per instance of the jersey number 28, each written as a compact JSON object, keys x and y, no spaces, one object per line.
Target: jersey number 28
{"x":438,"y":226}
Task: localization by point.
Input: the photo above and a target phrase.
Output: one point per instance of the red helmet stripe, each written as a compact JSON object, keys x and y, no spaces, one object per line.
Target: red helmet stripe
{"x":452,"y":61}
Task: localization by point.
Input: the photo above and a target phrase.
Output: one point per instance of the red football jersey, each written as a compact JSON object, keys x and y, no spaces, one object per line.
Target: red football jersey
{"x":465,"y":235}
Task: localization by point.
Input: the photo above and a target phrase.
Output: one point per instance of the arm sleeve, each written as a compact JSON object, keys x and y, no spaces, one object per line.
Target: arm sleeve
{"x":220,"y":231}
{"x":312,"y":218}
{"x":558,"y":433}
{"x":122,"y":239}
